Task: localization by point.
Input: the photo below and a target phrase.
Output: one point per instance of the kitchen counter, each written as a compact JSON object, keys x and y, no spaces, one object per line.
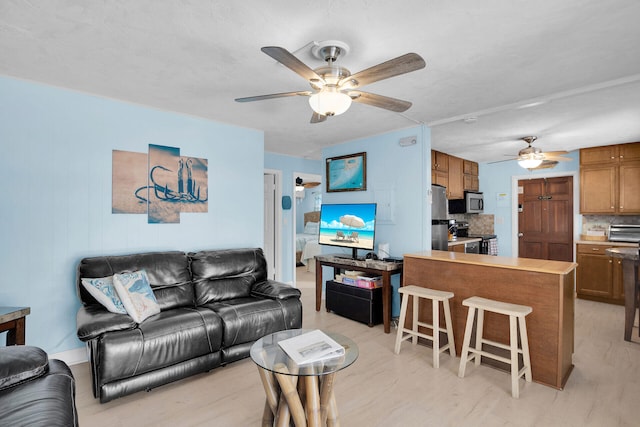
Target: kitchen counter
{"x":524,"y":264}
{"x":545,"y":286}
{"x":463,"y":240}
{"x":607,"y":243}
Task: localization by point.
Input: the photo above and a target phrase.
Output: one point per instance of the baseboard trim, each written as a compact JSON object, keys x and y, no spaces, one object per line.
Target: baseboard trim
{"x":72,"y":357}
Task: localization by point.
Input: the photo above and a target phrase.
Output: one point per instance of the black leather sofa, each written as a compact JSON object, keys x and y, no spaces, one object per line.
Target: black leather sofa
{"x":35,"y":391}
{"x":214,"y":306}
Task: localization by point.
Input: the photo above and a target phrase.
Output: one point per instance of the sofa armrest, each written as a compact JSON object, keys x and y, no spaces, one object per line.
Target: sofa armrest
{"x":274,"y":290}
{"x":21,"y":363}
{"x":93,"y":321}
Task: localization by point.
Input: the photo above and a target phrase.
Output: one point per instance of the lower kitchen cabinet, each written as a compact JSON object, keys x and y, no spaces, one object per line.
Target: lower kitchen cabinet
{"x":599,"y":276}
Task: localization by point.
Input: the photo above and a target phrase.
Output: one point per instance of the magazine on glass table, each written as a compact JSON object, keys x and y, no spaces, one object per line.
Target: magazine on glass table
{"x":311,"y":347}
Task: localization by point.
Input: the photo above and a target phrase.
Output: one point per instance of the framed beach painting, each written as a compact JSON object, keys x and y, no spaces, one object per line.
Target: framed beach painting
{"x":347,"y":173}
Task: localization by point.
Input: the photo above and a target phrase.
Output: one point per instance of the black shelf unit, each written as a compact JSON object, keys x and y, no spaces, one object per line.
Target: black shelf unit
{"x":359,"y":304}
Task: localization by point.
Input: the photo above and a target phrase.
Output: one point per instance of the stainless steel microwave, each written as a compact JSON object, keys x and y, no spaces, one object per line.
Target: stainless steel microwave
{"x":473,"y":202}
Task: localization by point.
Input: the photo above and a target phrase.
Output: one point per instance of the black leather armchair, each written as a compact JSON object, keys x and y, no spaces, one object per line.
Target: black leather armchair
{"x":35,"y":391}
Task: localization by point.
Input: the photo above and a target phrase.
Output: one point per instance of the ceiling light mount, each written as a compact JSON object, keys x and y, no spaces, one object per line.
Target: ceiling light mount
{"x":330,"y":50}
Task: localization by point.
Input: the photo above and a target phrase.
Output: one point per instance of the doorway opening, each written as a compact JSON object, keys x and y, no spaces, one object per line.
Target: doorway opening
{"x":306,"y":211}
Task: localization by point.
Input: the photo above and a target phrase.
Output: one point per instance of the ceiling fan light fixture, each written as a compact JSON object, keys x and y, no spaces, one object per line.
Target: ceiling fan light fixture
{"x":529,"y":162}
{"x":330,"y":102}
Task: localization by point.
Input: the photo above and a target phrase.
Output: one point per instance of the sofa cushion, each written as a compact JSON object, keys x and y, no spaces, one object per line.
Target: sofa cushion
{"x":168,"y":274}
{"x":21,"y":363}
{"x":162,"y":340}
{"x":248,"y":319}
{"x":103,"y":291}
{"x":136,"y":295}
{"x":226,"y":274}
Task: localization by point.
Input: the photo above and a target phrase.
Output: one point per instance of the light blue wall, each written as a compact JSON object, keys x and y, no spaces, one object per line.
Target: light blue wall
{"x":55,"y":174}
{"x":397,"y":174}
{"x":289,"y":165}
{"x":497,"y":179}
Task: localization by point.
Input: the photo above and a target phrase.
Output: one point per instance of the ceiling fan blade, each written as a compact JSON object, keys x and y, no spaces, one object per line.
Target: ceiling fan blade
{"x":287,"y":59}
{"x":380,"y":101}
{"x":555,"y":153}
{"x":546,"y":164}
{"x":274,"y":95}
{"x":557,"y":158}
{"x":394,"y":67}
{"x":318,"y":118}
{"x":310,"y":184}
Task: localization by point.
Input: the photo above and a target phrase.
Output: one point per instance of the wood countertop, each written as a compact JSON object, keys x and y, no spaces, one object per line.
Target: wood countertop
{"x":607,"y":243}
{"x":525,"y":264}
{"x":463,"y":240}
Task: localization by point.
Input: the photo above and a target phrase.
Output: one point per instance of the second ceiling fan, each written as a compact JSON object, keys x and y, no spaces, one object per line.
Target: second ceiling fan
{"x":334,"y":87}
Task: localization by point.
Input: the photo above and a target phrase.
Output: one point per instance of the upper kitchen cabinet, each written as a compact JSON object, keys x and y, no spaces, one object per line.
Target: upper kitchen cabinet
{"x":470,"y":178}
{"x":457,"y":174}
{"x":440,"y":169}
{"x":455,"y":190}
{"x":610,"y":179}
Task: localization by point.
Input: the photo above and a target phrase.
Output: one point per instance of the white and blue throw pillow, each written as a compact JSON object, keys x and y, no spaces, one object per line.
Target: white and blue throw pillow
{"x":136,"y":294}
{"x":103,"y":291}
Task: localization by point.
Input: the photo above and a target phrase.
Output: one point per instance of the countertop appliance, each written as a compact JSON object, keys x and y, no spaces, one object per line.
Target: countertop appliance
{"x":472,"y":247}
{"x":486,"y":243}
{"x":439,"y":221}
{"x":463,"y":229}
{"x":473,"y":202}
{"x":624,"y":233}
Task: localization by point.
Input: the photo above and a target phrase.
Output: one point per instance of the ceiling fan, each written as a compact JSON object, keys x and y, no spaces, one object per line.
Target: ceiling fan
{"x":534,"y":158}
{"x":301,"y":185}
{"x":334,"y":87}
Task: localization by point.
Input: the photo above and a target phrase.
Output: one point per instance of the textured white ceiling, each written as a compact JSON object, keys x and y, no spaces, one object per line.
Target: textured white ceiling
{"x":484,"y":59}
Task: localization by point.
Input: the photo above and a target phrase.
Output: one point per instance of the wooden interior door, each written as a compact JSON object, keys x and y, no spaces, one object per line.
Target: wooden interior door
{"x":545,"y":218}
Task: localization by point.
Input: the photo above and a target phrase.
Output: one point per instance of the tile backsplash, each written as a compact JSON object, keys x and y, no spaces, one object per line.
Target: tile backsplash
{"x":478,"y":223}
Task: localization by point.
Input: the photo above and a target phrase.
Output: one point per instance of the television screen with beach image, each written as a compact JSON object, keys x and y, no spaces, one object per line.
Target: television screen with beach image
{"x":348,"y":225}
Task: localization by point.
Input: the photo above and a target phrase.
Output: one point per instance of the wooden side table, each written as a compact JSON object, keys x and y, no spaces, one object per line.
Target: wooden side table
{"x":12,"y":319}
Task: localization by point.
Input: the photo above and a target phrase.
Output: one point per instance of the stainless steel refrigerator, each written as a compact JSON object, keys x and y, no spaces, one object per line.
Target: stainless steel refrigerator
{"x":439,"y":222}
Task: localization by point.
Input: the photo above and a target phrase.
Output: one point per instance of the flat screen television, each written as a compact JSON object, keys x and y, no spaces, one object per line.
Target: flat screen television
{"x":348,"y":225}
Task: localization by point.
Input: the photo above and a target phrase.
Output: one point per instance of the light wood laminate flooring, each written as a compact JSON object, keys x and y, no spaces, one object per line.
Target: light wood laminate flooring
{"x":384,"y":389}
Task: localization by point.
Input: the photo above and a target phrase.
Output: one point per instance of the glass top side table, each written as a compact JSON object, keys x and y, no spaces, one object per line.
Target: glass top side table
{"x":303,"y":393}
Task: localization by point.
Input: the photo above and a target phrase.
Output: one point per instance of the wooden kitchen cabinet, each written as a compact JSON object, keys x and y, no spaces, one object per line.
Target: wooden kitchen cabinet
{"x":610,"y":179}
{"x":455,"y":190}
{"x":599,"y":276}
{"x":470,"y":168}
{"x":458,"y":175}
{"x":439,"y":161}
{"x":470,"y":177}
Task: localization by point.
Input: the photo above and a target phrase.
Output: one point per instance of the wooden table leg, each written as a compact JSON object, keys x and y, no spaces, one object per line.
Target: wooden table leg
{"x":326,"y":393}
{"x":386,"y":301}
{"x":630,"y":282}
{"x":318,"y":284}
{"x":15,"y":331}
{"x":290,"y":394}
{"x":312,"y":401}
{"x":270,"y":390}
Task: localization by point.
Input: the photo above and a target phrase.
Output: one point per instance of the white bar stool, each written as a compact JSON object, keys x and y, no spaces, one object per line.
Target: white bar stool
{"x":436,"y":297}
{"x":514,"y":312}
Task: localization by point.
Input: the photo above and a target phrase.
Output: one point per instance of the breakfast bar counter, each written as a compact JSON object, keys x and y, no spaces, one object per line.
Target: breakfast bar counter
{"x":546,"y":286}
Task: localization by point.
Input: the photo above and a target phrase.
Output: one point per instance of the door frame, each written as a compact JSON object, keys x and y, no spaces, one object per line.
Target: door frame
{"x":277,"y":207}
{"x":577,"y":222}
{"x":294,"y":221}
